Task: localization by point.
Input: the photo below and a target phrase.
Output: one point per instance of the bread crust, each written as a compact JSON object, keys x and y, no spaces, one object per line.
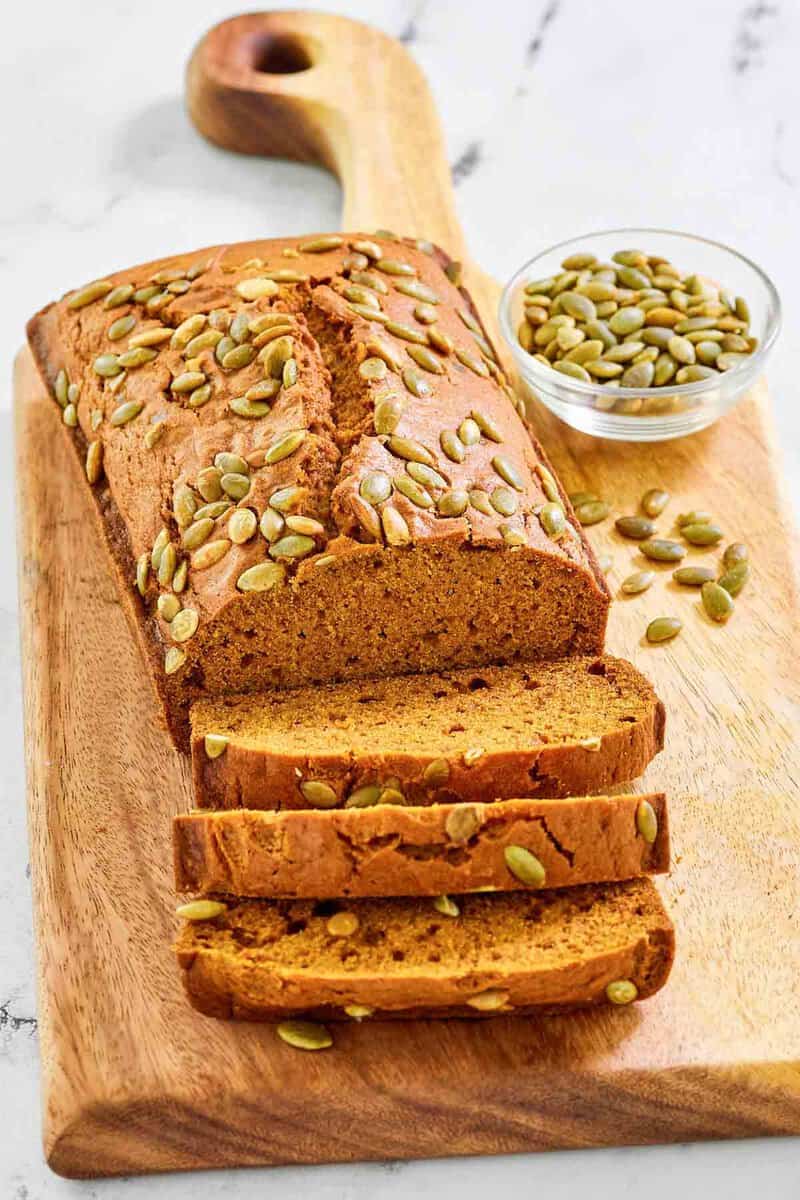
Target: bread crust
{"x":136,"y":497}
{"x":565,"y":950}
{"x":390,"y":850}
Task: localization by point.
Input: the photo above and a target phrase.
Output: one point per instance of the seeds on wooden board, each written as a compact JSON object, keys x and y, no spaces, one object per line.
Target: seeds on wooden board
{"x":692,"y":576}
{"x":717,"y":601}
{"x":591,"y":512}
{"x":662,"y":629}
{"x":735,"y":553}
{"x":639,"y":581}
{"x":635,"y":527}
{"x":735,"y":577}
{"x":702,"y":534}
{"x":646,"y":300}
{"x":662,"y":550}
{"x":304,"y":1035}
{"x":655,"y":501}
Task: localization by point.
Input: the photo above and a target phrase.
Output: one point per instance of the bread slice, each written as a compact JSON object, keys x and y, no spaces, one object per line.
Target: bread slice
{"x":550,"y":729}
{"x":518,"y":952}
{"x":390,"y":850}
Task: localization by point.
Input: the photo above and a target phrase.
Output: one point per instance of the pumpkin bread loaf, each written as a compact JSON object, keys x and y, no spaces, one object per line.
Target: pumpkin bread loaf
{"x":545,"y":729}
{"x":310,"y":466}
{"x":509,"y":953}
{"x":392,"y":850}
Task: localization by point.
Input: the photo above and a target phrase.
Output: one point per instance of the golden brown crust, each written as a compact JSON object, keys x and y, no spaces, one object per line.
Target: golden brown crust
{"x":544,"y":730}
{"x":390,"y":850}
{"x":552,"y":598}
{"x":536,"y":951}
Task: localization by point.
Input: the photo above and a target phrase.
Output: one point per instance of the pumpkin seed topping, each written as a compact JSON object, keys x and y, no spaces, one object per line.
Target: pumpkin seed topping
{"x":215,"y":744}
{"x":524,"y":866}
{"x":622,"y":991}
{"x":413,"y":491}
{"x":292,"y":545}
{"x":168,"y":606}
{"x":504,"y":501}
{"x":452,"y":445}
{"x":94,"y":462}
{"x":86,"y":295}
{"x":272,"y":524}
{"x":261,"y":577}
{"x":552,"y":519}
{"x":453,"y":503}
{"x":391,"y":266}
{"x":285,"y":445}
{"x":304,"y":1035}
{"x":395,"y":528}
{"x":184,"y":624}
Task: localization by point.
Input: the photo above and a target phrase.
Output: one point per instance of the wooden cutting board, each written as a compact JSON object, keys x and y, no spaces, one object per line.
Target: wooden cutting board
{"x":132,"y":1078}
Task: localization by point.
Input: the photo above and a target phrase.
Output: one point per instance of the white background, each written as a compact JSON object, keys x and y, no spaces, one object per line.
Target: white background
{"x":559,"y":118}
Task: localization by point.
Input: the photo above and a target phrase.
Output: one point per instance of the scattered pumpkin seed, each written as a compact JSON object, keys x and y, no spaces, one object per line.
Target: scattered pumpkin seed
{"x":635,"y":527}
{"x":735,"y":577}
{"x":662,"y":629}
{"x":591,"y":512}
{"x":639,"y":581}
{"x":655,"y":501}
{"x":735,"y":553}
{"x":702,"y":534}
{"x":304,"y":1035}
{"x":717,"y":601}
{"x":662,"y":550}
{"x":692,"y":576}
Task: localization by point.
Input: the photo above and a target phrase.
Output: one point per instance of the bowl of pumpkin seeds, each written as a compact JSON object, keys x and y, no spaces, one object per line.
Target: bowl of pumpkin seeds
{"x":640,"y":334}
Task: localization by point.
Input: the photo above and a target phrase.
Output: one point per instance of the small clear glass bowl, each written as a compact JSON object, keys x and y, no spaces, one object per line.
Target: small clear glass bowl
{"x":663,"y":412}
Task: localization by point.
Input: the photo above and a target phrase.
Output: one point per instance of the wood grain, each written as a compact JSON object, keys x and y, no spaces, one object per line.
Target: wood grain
{"x":134,"y":1080}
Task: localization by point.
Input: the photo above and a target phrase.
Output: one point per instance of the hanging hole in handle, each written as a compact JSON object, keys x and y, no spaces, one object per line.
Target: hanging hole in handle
{"x":280,"y":54}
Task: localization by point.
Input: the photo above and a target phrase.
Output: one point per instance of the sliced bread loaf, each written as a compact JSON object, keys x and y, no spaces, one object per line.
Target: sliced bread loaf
{"x":390,"y":850}
{"x":549,"y":729}
{"x":511,"y":953}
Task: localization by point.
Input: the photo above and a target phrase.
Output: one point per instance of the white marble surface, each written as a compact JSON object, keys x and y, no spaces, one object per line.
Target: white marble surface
{"x":560,"y":118}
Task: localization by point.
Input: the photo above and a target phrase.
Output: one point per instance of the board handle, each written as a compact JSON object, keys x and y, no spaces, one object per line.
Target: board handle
{"x":324,"y":89}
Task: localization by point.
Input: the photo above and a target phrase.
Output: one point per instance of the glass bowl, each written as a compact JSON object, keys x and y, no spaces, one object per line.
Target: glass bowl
{"x":652,"y":414}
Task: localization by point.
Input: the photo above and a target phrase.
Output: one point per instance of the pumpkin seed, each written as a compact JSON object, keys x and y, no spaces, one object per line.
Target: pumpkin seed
{"x":413,"y":491}
{"x":201,"y":910}
{"x":717,"y":601}
{"x":638,"y":582}
{"x":637,"y":528}
{"x":662,"y":629}
{"x":187,"y":382}
{"x":476,"y":365}
{"x":375,"y":487}
{"x":697,"y":516}
{"x":735,"y":553}
{"x":393,"y":266}
{"x":321,"y":245}
{"x":261,"y":577}
{"x":369,"y":249}
{"x":622,"y":991}
{"x":426,"y":475}
{"x":480,"y":502}
{"x":573,"y":369}
{"x":591,"y":512}
{"x":121,"y":327}
{"x":235,"y":484}
{"x":388,"y":412}
{"x":168,"y":606}
{"x":395,"y":528}
{"x":601,"y":368}
{"x":453,"y":503}
{"x":655,"y":501}
{"x":174,"y":660}
{"x":94,"y":462}
{"x":626,"y":320}
{"x":292,"y":545}
{"x":524,"y":866}
{"x":184,"y":624}
{"x":639,"y":375}
{"x":384,"y":352}
{"x":508,"y":472}
{"x":446,"y":906}
{"x":364,"y":797}
{"x":118,"y":295}
{"x":426,"y":314}
{"x":107,"y":365}
{"x":304,"y":1035}
{"x":86,"y":295}
{"x":358,"y":1012}
{"x":416,"y":383}
{"x":250,"y":409}
{"x":242,"y":525}
{"x":735,"y":577}
{"x":552,"y":519}
{"x":578,"y":498}
{"x":440,"y":340}
{"x":410,"y":450}
{"x":692,"y":576}
{"x":647,"y":821}
{"x":215,"y":744}
{"x":70,"y":416}
{"x":469,"y":432}
{"x":285,"y":445}
{"x":319,"y":794}
{"x":662,"y":550}
{"x":452,"y":445}
{"x":703,"y":534}
{"x":504,"y":501}
{"x":424,"y":357}
{"x":489,"y":1001}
